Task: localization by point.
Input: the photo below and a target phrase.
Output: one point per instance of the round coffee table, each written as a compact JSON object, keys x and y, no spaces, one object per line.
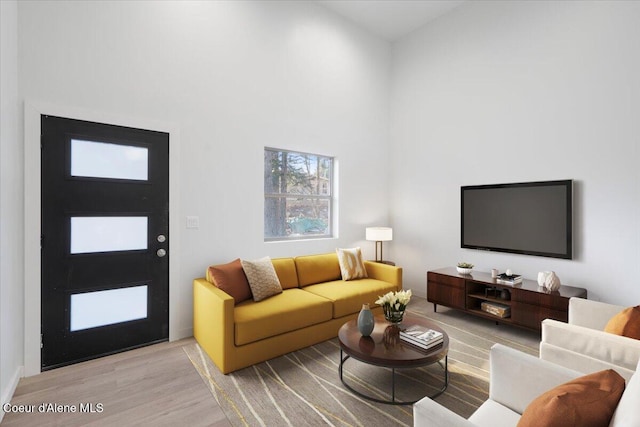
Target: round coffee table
{"x":384,"y":348}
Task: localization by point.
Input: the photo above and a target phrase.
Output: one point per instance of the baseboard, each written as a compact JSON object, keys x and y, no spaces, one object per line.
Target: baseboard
{"x":182,"y":333}
{"x":7,"y":393}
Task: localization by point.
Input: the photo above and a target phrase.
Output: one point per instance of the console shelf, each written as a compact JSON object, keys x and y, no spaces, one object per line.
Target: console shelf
{"x":529,"y":304}
{"x":491,"y":299}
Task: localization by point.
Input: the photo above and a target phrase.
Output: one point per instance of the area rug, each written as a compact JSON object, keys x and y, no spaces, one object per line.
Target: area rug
{"x":303,"y":388}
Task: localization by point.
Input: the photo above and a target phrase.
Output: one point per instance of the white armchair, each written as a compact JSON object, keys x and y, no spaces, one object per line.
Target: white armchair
{"x":517,"y":379}
{"x":582,"y":343}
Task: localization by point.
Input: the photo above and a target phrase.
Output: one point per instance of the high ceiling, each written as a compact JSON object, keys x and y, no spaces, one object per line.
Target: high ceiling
{"x":391,"y":19}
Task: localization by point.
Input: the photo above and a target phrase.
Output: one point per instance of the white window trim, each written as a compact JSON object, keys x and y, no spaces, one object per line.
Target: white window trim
{"x":332,"y":198}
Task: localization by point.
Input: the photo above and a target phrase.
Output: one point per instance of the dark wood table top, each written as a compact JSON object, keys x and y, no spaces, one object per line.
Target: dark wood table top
{"x":385,"y":348}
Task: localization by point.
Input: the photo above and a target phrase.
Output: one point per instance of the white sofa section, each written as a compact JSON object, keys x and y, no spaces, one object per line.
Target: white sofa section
{"x":516,"y":379}
{"x":582,"y":343}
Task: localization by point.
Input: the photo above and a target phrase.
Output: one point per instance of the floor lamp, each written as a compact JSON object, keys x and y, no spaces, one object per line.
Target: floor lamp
{"x":379,"y":235}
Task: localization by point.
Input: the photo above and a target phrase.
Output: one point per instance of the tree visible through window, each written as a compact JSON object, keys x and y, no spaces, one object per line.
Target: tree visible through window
{"x":297,"y":195}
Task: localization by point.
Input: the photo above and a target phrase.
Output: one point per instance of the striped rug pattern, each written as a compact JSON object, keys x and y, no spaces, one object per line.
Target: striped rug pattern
{"x":302,"y":388}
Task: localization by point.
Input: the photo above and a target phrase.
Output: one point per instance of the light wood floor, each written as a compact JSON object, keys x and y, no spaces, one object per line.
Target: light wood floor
{"x":155,"y":385}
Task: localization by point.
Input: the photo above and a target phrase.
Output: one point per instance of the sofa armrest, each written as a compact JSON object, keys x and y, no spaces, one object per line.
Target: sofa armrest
{"x":385,"y":272}
{"x":427,"y":412}
{"x":587,"y":349}
{"x":517,"y":378}
{"x":591,"y":314}
{"x":213,"y":323}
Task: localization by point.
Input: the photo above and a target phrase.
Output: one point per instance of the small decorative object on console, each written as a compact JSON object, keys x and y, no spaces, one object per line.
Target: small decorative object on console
{"x":551,"y":281}
{"x":394,"y":304}
{"x":508,"y":279}
{"x":541,"y":276}
{"x":464,"y":267}
{"x":496,"y":309}
{"x":365,"y":321}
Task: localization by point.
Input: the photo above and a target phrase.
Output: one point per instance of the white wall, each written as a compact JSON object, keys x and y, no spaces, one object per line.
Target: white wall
{"x":514,"y":91}
{"x":11,"y":208}
{"x":234,"y":77}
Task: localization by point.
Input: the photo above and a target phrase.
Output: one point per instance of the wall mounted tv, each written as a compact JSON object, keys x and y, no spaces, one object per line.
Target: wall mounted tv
{"x":530,"y":218}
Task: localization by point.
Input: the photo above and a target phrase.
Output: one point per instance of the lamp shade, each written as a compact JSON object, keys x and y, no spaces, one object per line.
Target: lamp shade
{"x":379,"y":234}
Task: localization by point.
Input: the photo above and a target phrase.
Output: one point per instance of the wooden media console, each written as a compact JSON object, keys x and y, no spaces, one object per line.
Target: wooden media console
{"x":529,"y":303}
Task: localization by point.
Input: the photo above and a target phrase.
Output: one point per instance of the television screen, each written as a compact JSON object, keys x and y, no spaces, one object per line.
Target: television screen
{"x":532,"y":218}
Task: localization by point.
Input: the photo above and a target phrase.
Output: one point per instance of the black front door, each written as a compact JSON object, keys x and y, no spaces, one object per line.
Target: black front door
{"x":105,"y":241}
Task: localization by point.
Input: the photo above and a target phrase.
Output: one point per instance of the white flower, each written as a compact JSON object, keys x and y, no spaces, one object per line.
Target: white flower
{"x":397,"y":300}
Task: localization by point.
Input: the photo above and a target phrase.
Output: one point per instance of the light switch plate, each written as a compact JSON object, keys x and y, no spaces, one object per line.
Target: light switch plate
{"x":193,"y":222}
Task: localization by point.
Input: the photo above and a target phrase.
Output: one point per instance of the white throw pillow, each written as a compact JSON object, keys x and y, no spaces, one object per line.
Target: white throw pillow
{"x":351,"y":264}
{"x":262,"y":278}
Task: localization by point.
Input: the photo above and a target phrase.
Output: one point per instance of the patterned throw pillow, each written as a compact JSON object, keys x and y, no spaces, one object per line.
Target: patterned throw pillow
{"x":351,"y":264}
{"x":262,"y":278}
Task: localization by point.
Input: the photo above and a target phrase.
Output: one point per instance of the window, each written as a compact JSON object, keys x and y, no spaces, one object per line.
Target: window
{"x":298,"y":195}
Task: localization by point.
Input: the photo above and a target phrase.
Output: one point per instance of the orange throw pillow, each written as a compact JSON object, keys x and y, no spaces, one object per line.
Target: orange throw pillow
{"x":625,"y":323}
{"x":231,"y":279}
{"x":587,"y":401}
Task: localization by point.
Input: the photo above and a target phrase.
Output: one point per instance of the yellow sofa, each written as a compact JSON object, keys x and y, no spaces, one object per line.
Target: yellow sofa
{"x":314,"y":303}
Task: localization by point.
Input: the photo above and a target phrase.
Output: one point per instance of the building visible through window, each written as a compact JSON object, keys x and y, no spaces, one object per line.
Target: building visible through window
{"x":298,"y":195}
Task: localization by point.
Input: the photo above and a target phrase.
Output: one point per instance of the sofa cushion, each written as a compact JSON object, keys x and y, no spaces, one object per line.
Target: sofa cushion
{"x":230,"y":278}
{"x":262,"y":278}
{"x":586,"y":401}
{"x":317,"y":269}
{"x":348,"y":297}
{"x":290,"y":310}
{"x":351,"y":264}
{"x":627,"y":413}
{"x":625,"y":323}
{"x":286,"y":270}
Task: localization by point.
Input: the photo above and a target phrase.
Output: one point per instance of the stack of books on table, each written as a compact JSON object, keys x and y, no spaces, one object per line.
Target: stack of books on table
{"x":421,"y":336}
{"x":508,"y":280}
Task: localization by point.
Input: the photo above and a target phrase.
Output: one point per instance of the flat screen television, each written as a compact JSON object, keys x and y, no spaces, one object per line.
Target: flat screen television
{"x":530,"y":218}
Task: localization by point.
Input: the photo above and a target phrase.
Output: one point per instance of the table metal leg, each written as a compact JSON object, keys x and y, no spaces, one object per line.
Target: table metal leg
{"x":393,"y":383}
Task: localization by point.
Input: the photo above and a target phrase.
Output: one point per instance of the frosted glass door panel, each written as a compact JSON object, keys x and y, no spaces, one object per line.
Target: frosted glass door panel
{"x":108,"y":233}
{"x":93,"y":309}
{"x":103,"y":160}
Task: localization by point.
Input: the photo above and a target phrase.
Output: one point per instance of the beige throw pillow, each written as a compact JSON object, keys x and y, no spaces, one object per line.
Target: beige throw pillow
{"x":351,"y":264}
{"x":262,"y":278}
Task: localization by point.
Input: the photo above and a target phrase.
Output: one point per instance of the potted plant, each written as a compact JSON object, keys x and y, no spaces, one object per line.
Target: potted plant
{"x":464,"y":267}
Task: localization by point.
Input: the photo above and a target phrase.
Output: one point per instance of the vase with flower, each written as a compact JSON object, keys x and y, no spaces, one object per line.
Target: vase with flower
{"x":394,"y":304}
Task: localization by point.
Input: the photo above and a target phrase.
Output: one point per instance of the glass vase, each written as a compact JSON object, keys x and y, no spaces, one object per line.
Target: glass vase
{"x":392,"y":315}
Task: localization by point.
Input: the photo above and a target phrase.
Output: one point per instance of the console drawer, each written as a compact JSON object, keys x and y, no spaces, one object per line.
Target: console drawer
{"x":444,"y":279}
{"x":549,"y":301}
{"x":532,"y":316}
{"x":443,"y":294}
